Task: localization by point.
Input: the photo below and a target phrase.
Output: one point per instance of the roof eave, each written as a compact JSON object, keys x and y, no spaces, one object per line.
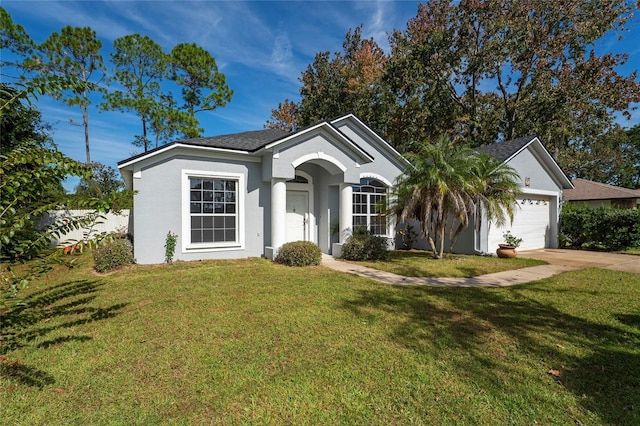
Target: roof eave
{"x":175,"y":145}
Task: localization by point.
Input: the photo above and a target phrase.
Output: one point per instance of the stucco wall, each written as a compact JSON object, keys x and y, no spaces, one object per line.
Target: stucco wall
{"x":159,"y":208}
{"x":527,"y":164}
{"x":319,"y":148}
{"x":386,"y":162}
{"x":159,"y":180}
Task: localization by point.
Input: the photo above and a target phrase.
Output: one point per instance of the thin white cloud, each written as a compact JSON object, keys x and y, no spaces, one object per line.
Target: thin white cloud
{"x":379,"y":22}
{"x":281,"y":53}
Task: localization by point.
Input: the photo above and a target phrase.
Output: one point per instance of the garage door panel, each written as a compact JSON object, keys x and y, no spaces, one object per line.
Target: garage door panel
{"x":530,"y":222}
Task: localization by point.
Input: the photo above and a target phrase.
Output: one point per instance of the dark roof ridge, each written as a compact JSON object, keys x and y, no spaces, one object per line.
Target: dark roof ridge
{"x":504,"y":150}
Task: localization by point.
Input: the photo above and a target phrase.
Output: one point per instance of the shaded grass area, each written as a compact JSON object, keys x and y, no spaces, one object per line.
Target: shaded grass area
{"x":248,"y":341}
{"x":419,"y":263}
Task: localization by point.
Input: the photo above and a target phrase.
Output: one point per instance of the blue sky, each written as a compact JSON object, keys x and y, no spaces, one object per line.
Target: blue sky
{"x":260,"y":46}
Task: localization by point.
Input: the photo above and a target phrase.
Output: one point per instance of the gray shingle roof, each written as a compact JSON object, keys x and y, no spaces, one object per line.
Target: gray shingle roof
{"x":245,"y":141}
{"x":503,"y":150}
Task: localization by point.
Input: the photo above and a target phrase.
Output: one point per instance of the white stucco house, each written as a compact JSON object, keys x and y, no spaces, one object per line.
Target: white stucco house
{"x":246,"y":194}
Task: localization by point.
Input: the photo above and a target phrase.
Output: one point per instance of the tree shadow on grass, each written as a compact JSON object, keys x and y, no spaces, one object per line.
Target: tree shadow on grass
{"x":57,"y":308}
{"x":25,"y":375}
{"x":472,"y":322}
{"x":632,"y":320}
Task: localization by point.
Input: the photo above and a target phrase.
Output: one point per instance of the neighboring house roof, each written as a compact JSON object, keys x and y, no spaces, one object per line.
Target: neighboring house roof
{"x":589,"y":190}
{"x":505,"y":151}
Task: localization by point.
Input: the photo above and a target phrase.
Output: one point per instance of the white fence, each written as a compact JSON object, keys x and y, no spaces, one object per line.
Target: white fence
{"x":110,"y":222}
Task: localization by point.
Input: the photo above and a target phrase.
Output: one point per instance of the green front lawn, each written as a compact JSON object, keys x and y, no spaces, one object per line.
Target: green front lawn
{"x":248,"y":341}
{"x":632,"y":250}
{"x":418,"y":263}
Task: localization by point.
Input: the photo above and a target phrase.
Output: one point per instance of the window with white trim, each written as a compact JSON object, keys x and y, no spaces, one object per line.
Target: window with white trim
{"x":213,"y":210}
{"x":369,"y":200}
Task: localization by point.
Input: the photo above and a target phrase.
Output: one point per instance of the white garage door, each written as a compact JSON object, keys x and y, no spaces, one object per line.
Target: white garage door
{"x":530,"y":222}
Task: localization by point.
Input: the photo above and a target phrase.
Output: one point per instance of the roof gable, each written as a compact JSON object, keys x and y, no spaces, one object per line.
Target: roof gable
{"x":350,"y":120}
{"x":505,"y":151}
{"x":323,"y":126}
{"x":251,"y":142}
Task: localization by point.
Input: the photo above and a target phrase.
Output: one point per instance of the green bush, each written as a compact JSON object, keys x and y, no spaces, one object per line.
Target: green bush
{"x":602,"y":228}
{"x":299,"y":253}
{"x":113,"y":255}
{"x":364,"y":246}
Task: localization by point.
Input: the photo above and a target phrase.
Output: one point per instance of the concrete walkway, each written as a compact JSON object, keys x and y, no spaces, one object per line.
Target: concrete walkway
{"x":559,"y":261}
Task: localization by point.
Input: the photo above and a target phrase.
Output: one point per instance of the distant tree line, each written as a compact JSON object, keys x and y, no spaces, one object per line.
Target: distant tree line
{"x":166,"y":90}
{"x":485,"y":71}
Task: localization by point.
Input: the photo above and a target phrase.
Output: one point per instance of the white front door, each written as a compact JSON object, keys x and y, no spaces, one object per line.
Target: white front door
{"x":297,"y":216}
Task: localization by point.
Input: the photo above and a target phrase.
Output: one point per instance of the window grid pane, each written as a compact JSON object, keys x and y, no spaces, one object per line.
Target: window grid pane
{"x":213,"y":210}
{"x":368,"y":206}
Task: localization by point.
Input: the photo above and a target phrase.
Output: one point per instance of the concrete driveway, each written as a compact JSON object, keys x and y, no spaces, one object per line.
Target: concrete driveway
{"x":580,"y":259}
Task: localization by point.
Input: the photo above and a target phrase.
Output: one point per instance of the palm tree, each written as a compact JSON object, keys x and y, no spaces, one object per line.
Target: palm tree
{"x":446,"y":185}
{"x":495,"y":189}
{"x":436,"y":191}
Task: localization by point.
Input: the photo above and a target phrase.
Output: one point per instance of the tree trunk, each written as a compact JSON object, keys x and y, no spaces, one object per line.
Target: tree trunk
{"x":144,"y":135}
{"x":441,"y":233}
{"x":85,"y":122}
{"x":455,"y":237}
{"x":434,"y":250}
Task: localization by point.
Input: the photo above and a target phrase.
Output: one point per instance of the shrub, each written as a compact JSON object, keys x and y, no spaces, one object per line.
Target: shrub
{"x":601,"y":228}
{"x":113,"y":255}
{"x":364,"y":246}
{"x":170,"y":246}
{"x":408,"y":237}
{"x":299,"y":253}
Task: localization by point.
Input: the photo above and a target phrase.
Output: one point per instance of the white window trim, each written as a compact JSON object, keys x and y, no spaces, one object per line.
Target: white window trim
{"x":187,"y":246}
{"x":391,"y":220}
{"x":390,"y":225}
{"x":377,"y":177}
